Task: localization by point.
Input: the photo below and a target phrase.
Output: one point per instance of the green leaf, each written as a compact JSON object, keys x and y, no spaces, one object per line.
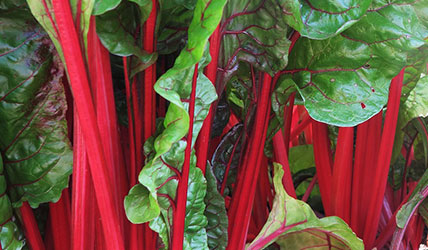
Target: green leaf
{"x":215,"y":212}
{"x":284,"y":88}
{"x":301,"y":157}
{"x":175,"y":17}
{"x":140,"y":207}
{"x":254,"y":32}
{"x":293,"y":225}
{"x":33,"y":132}
{"x":116,"y":30}
{"x":325,"y":19}
{"x":344,"y":80}
{"x":416,"y":104}
{"x":421,"y":190}
{"x":9,"y":235}
{"x":102,"y":6}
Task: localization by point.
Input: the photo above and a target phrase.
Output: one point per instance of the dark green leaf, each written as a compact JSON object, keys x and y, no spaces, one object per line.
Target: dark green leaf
{"x":102,"y":6}
{"x":9,"y":236}
{"x":227,"y":156}
{"x":344,"y":80}
{"x":254,"y":32}
{"x":33,"y":130}
{"x":215,"y":212}
{"x":221,"y":118}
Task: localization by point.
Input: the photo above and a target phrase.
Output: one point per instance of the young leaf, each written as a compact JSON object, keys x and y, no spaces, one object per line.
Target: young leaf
{"x":293,"y":225}
{"x":33,"y":138}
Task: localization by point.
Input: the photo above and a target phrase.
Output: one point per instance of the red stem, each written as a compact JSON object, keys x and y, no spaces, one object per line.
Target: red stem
{"x":342,"y":174}
{"x":87,"y":116}
{"x":310,"y":188}
{"x":288,"y":117}
{"x":203,"y":141}
{"x":366,"y":148}
{"x":149,"y":44}
{"x":31,"y":230}
{"x":60,"y":221}
{"x":240,"y":208}
{"x":280,"y":156}
{"x":300,"y":127}
{"x":180,"y":212}
{"x":383,"y":161}
{"x":323,"y":162}
{"x":83,"y":206}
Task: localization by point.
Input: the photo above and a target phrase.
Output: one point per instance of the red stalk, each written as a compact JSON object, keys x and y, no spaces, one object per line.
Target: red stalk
{"x":87,"y":117}
{"x":288,"y":117}
{"x":83,"y":206}
{"x":280,"y":156}
{"x":366,"y":147}
{"x":383,"y":161}
{"x":149,"y":125}
{"x":211,"y":72}
{"x":100,"y":75}
{"x":240,"y":209}
{"x":180,"y":212}
{"x":135,"y":230}
{"x":149,"y":44}
{"x":323,"y":162}
{"x":60,"y":221}
{"x":300,"y":127}
{"x":342,"y":174}
{"x":310,"y":188}
{"x":31,"y":230}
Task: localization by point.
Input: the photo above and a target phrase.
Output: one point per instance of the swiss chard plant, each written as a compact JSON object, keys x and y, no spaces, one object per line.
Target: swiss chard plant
{"x":213,"y":124}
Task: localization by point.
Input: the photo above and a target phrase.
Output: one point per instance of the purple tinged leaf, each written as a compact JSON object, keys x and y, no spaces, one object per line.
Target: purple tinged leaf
{"x":293,"y":225}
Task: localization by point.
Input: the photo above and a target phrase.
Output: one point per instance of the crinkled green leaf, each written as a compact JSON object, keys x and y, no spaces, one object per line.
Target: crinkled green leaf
{"x":33,"y":132}
{"x":344,"y":80}
{"x":293,"y":225}
{"x":216,"y":214}
{"x":102,"y":6}
{"x":159,"y":175}
{"x":254,"y":31}
{"x":9,"y":236}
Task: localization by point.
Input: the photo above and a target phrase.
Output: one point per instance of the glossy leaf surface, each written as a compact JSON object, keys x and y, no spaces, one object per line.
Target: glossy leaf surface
{"x":344,"y":80}
{"x":33,"y":132}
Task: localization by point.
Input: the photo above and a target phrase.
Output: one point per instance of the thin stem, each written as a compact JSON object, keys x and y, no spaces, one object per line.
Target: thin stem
{"x":180,"y":213}
{"x":203,"y":141}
